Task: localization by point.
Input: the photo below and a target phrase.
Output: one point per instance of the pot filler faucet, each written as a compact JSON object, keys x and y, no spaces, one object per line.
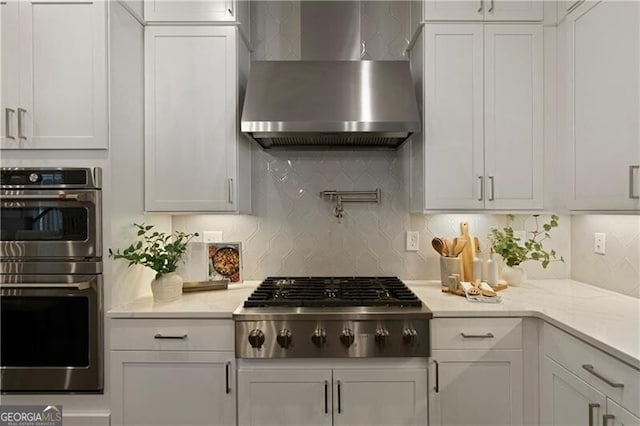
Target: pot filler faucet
{"x":350,"y":197}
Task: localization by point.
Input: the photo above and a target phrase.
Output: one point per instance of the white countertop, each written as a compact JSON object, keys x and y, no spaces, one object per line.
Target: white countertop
{"x":607,"y":320}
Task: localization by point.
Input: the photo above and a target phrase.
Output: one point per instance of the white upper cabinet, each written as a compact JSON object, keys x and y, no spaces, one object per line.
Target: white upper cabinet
{"x":54,"y":72}
{"x":453,"y":116}
{"x":513,"y":138}
{"x":204,"y":10}
{"x":483,"y":10}
{"x":601,"y":132}
{"x":192,"y":152}
{"x":483,"y":117}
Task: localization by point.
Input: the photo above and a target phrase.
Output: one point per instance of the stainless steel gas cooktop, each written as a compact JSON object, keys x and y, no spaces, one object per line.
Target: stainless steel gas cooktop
{"x":306,"y":317}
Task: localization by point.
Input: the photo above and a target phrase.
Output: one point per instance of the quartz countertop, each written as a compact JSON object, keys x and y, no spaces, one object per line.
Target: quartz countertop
{"x":605,"y":319}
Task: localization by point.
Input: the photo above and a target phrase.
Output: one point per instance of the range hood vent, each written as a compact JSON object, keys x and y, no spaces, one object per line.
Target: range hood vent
{"x":330,"y":104}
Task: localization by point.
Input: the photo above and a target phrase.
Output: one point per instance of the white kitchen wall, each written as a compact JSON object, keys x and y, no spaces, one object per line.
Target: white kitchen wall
{"x":293,"y":232}
{"x":619,"y":268}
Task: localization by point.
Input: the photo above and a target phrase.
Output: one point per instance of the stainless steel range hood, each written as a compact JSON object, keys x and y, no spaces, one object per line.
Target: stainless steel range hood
{"x":330,"y":98}
{"x":330,"y":103}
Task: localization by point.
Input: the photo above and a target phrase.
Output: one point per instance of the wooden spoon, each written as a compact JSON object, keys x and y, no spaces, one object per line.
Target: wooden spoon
{"x":458,"y":247}
{"x":439,"y":246}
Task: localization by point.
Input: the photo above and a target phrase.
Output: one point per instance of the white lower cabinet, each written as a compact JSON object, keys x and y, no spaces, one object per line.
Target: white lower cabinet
{"x":323,"y":396}
{"x":476,"y":372}
{"x":160,"y":374}
{"x":582,"y":385}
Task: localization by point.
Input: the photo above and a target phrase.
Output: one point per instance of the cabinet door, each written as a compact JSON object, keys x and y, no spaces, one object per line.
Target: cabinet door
{"x":604,"y":106}
{"x":453,"y":121}
{"x":196,"y":10}
{"x":510,"y":10}
{"x":476,"y":388}
{"x":153,"y":388}
{"x":513,"y":116}
{"x":621,"y":417}
{"x":190,"y":146}
{"x":9,"y":12}
{"x":287,"y":397}
{"x":567,"y":400}
{"x":380,"y":397}
{"x":63,"y":78}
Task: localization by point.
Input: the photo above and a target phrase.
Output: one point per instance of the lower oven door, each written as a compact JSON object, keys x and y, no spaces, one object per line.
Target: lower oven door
{"x":51,"y":332}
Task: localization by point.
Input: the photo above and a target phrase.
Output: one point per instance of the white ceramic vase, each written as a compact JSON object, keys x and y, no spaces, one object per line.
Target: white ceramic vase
{"x":167,"y":288}
{"x":515,"y":275}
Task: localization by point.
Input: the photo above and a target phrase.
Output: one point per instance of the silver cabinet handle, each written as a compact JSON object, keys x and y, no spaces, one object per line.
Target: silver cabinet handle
{"x":491,"y":7}
{"x":592,"y":416}
{"x":481,"y":197}
{"x":477,"y":336}
{"x":230,"y":188}
{"x":437,"y":386}
{"x":326,"y":397}
{"x":339,"y":397}
{"x":7,"y":122}
{"x":591,"y":369}
{"x":606,"y":418}
{"x":632,"y":183}
{"x":492,"y":195}
{"x":171,"y":337}
{"x":227,"y":372}
{"x":21,"y":112}
{"x":480,"y":8}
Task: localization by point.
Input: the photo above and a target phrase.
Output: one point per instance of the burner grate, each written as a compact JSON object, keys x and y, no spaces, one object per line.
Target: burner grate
{"x":332,"y":292}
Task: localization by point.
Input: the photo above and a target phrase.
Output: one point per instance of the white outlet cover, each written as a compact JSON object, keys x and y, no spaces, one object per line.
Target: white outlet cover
{"x":413,"y":241}
{"x":212,"y":237}
{"x":599,"y":243}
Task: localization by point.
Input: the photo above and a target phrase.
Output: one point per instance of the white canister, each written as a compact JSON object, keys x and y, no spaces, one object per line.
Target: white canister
{"x":490,"y":273}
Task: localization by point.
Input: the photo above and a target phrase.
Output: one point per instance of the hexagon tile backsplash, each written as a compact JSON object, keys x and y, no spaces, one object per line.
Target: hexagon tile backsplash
{"x":293,"y":231}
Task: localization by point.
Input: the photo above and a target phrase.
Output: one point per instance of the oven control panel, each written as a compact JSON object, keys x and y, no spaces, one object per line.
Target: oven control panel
{"x":332,"y":338}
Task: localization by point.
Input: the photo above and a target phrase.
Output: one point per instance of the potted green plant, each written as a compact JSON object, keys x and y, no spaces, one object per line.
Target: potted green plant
{"x":514,"y":251}
{"x":162,"y":253}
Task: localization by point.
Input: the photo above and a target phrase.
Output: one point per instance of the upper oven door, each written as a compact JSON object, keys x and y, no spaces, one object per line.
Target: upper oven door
{"x":50,"y":224}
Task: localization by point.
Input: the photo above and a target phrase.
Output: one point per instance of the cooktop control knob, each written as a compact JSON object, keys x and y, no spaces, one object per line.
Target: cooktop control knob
{"x":319,"y":337}
{"x":33,"y":177}
{"x":347,"y":337}
{"x":284,"y":338}
{"x":382,"y":336}
{"x":410,"y":336}
{"x":256,"y":338}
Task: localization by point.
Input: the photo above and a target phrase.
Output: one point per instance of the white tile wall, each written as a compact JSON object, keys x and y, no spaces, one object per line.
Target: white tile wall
{"x":619,"y":268}
{"x":293,"y":231}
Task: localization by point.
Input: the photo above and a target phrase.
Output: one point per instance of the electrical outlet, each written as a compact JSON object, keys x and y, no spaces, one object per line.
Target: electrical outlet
{"x":413,"y":241}
{"x":599,"y":241}
{"x":212,"y":236}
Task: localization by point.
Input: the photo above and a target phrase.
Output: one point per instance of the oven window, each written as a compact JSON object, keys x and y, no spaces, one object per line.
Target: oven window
{"x":44,"y":331}
{"x":44,"y":224}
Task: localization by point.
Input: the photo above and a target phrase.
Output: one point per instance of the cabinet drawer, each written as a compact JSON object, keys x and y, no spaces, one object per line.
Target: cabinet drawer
{"x":606,"y":374}
{"x":476,"y":333}
{"x":172,"y":334}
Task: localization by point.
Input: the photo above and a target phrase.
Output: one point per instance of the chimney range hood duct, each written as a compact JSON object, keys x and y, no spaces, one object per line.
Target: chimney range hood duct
{"x":330,"y":98}
{"x":330,"y":103}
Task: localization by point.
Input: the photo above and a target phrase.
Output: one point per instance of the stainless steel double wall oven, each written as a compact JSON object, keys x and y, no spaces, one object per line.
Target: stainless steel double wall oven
{"x":51,"y":280}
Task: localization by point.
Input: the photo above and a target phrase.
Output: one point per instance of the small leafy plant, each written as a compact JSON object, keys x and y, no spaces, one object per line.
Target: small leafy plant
{"x":504,"y":242}
{"x":156,"y":250}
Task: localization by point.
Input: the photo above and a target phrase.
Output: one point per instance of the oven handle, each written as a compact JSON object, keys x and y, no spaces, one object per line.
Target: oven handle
{"x":60,"y":197}
{"x":82,"y":285}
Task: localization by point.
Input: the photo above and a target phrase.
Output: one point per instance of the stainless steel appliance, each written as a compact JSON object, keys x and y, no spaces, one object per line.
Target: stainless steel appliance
{"x":311,"y":317}
{"x":51,"y":307}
